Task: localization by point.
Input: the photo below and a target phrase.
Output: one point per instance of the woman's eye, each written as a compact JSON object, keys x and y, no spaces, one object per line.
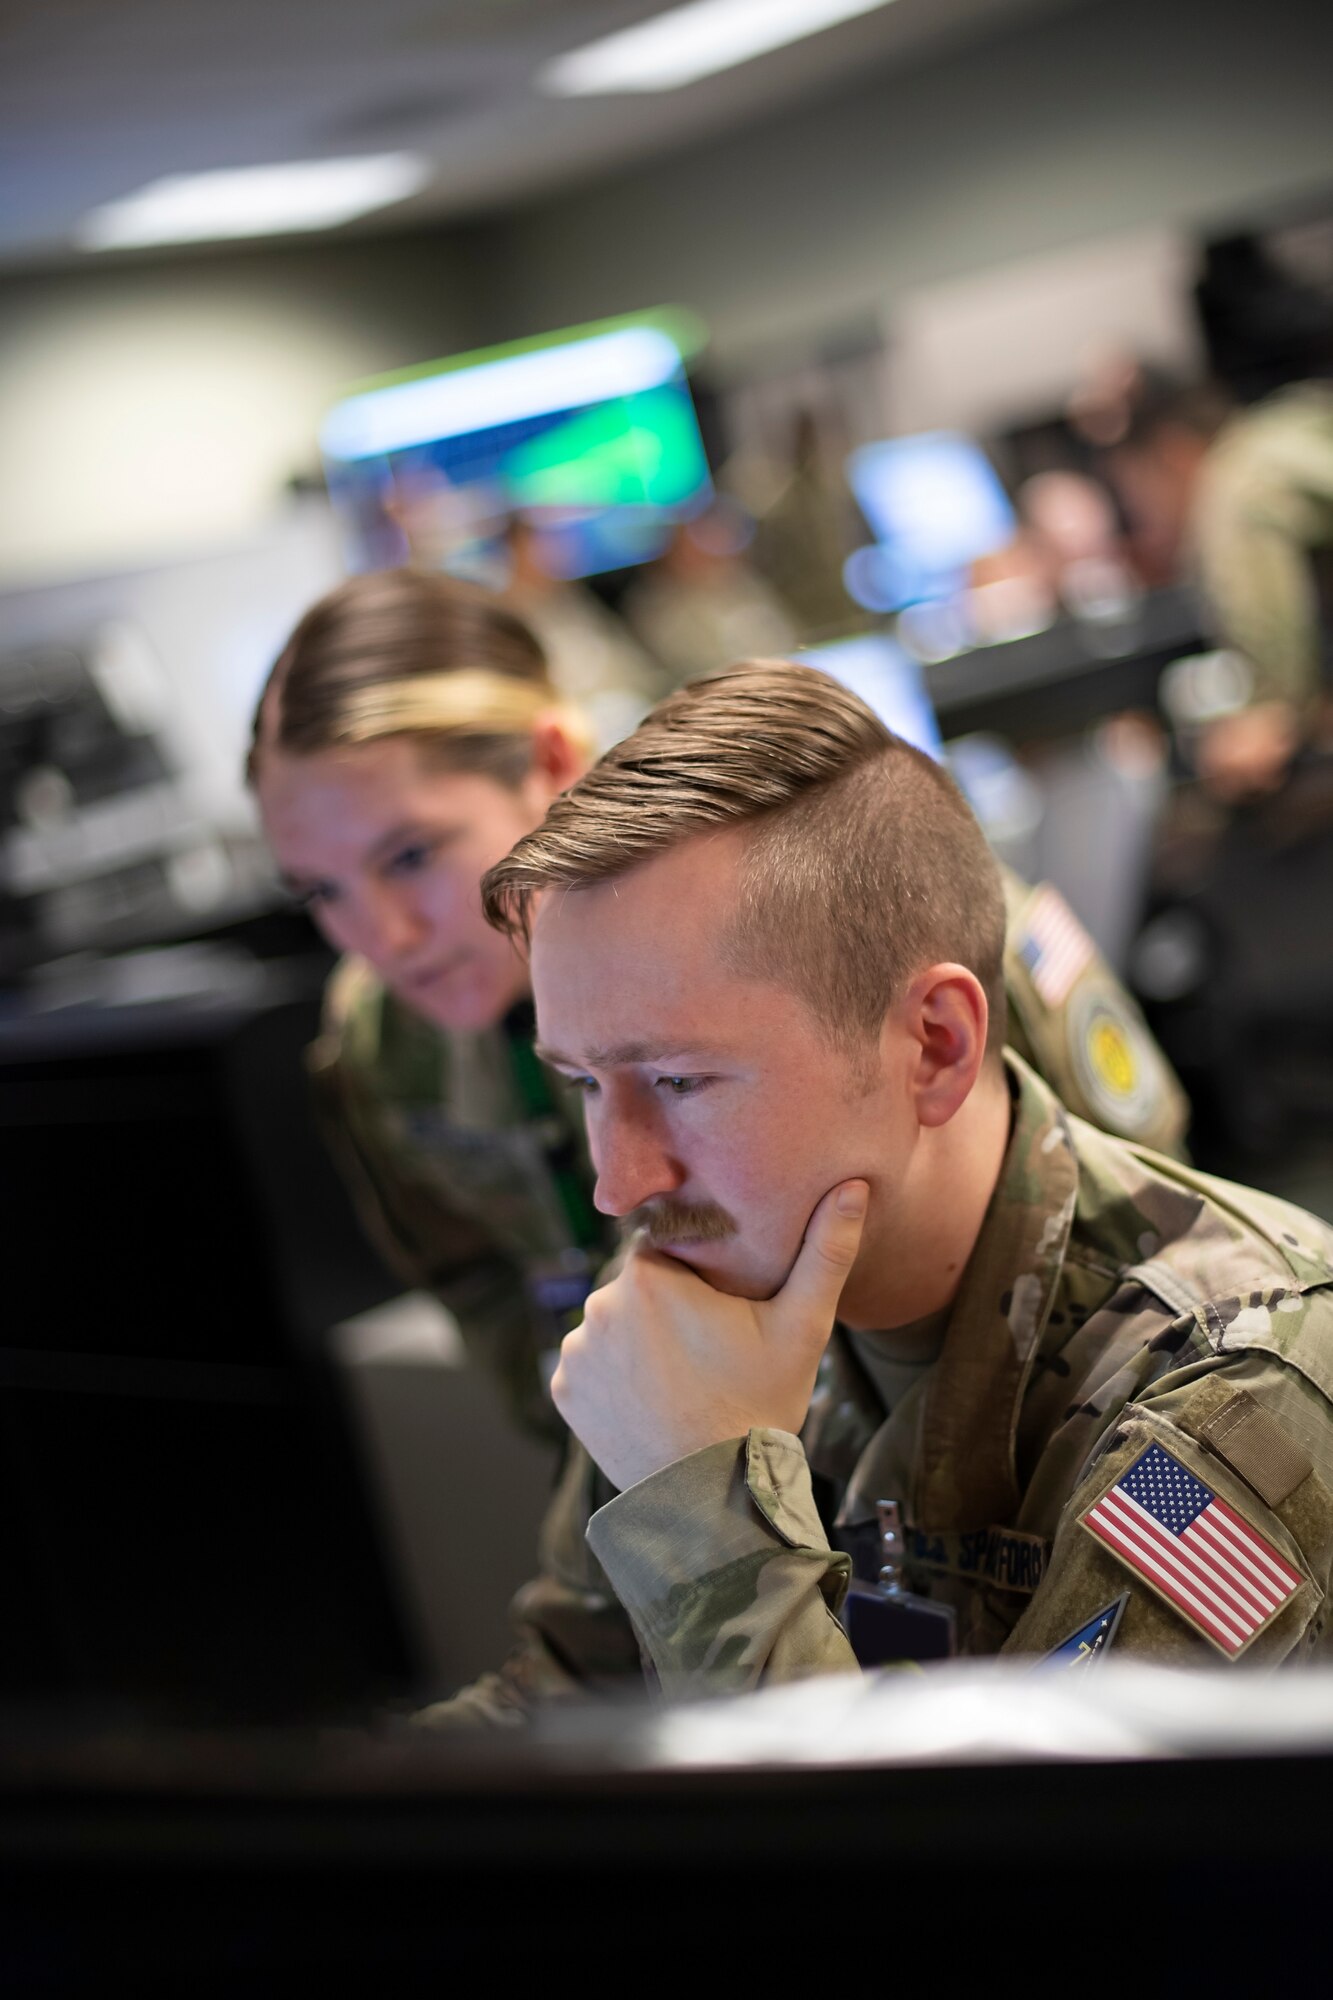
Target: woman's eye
{"x":317,"y":896}
{"x":409,"y":859}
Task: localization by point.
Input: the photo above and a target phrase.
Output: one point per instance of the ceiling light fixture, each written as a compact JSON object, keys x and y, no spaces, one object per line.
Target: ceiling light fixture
{"x":689,"y":42}
{"x":253,"y":201}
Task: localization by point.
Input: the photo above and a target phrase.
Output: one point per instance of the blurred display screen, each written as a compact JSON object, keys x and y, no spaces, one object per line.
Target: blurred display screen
{"x":934,"y":504}
{"x":888,"y":680}
{"x":590,"y":436}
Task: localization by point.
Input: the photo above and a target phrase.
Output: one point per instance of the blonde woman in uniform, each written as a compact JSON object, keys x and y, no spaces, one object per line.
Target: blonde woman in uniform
{"x":406,"y":738}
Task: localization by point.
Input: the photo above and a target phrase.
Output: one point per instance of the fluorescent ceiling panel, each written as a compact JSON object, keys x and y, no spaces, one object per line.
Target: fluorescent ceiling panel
{"x":253,"y":201}
{"x":689,"y":42}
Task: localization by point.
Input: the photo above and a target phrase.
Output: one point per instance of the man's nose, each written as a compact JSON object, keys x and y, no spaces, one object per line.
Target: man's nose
{"x":632,"y":1164}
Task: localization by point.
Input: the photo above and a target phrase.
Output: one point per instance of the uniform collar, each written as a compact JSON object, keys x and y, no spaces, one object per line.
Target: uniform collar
{"x":967,"y":1474}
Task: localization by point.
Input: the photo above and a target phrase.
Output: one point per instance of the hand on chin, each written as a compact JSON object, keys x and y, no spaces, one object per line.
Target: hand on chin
{"x":667,"y":1361}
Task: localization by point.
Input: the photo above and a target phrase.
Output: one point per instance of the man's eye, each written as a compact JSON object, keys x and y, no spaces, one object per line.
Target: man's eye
{"x":682,"y":1086}
{"x":586,"y":1085}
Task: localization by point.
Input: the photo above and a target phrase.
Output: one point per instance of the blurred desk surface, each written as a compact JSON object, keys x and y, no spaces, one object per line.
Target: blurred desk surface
{"x":1056,"y":682}
{"x":1032,"y":1813}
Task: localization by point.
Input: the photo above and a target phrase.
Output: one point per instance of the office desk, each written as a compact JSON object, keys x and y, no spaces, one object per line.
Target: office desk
{"x":1132,"y":1830}
{"x":1054,"y":683}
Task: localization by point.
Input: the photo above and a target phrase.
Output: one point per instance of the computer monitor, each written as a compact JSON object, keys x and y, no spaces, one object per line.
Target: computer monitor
{"x":934,"y":504}
{"x":887,"y":679}
{"x":589,"y":434}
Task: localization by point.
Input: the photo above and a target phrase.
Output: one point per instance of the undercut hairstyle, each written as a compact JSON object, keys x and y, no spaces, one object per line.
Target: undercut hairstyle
{"x":862,"y":863}
{"x":404,"y":653}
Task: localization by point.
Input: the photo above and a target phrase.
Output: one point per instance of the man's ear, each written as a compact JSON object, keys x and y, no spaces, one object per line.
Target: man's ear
{"x":945,"y":1013}
{"x":558,"y":758}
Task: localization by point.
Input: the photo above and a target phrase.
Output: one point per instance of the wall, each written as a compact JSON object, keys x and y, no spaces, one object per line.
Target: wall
{"x":153,"y":411}
{"x":1105,"y":119}
{"x":148,"y":409}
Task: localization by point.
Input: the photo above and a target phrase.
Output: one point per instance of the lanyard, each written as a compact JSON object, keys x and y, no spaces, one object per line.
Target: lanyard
{"x":551,"y":1128}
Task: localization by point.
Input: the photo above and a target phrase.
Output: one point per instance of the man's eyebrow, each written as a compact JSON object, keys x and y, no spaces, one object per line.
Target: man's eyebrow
{"x":616,"y":1053}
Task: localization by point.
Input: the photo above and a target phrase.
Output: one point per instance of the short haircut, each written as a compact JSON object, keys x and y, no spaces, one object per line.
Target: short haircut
{"x":403,"y":653}
{"x":862,"y":861}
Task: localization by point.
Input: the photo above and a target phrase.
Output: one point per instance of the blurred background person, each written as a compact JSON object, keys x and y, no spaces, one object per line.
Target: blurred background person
{"x":1073,"y":522}
{"x":1068,"y":557}
{"x":592,"y":656}
{"x":1263,"y":325}
{"x":703,"y":603}
{"x":1242,"y":499}
{"x":807,"y":525}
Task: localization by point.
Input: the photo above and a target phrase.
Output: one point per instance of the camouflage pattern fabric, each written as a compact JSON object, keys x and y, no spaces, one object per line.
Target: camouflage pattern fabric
{"x":1263,"y":505}
{"x":450,"y":1174}
{"x":1114,"y":1299}
{"x":1072,"y":1021}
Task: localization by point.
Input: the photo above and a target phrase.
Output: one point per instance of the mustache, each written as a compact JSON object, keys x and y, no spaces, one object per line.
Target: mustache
{"x":666,"y":1221}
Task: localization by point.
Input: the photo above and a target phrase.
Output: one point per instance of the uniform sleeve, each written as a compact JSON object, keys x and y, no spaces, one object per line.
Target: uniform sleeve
{"x":1249,"y":1581}
{"x":724,"y":1568}
{"x":711,"y":1577}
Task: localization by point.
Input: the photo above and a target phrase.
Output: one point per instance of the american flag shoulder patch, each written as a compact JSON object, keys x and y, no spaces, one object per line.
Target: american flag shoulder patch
{"x":1194,"y":1550}
{"x":1053,"y":945}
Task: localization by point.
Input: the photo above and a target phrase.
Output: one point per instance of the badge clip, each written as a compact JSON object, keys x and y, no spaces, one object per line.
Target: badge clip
{"x":885,"y":1621}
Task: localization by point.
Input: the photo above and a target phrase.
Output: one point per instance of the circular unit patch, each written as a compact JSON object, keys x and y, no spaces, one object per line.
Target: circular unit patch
{"x":1114,"y":1061}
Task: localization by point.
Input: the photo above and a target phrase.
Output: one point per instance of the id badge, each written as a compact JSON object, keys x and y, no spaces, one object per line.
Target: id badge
{"x":885,"y":1622}
{"x":884,"y":1626}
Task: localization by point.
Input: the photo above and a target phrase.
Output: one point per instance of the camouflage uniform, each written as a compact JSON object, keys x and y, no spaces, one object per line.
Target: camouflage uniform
{"x":1264,"y":504}
{"x":1072,"y":1020}
{"x":452,"y":1179}
{"x":451,"y":1171}
{"x":1114,"y":1300}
